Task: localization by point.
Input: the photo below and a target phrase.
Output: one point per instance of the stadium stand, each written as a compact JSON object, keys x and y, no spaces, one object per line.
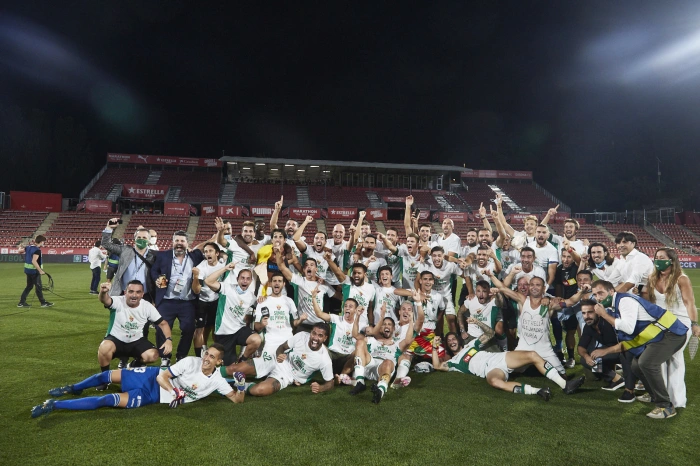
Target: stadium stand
{"x":18,"y":226}
{"x":117,"y":175}
{"x":76,"y":230}
{"x":337,"y":196}
{"x":165,"y":226}
{"x":199,"y":186}
{"x":647,"y":243}
{"x":266,"y":193}
{"x":678,"y":234}
{"x":527,"y":196}
{"x":478,"y":193}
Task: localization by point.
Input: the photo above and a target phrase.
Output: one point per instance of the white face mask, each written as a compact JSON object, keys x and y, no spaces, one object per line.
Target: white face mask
{"x":153,"y":241}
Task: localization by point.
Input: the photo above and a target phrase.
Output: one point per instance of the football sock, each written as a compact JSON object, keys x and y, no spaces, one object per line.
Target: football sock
{"x":94,"y":381}
{"x":570,"y":352}
{"x":404,"y":367}
{"x":553,"y":375}
{"x":91,"y":402}
{"x":525,"y":389}
{"x":198,"y":352}
{"x":502,"y":341}
{"x":384,"y":383}
{"x":359,"y":371}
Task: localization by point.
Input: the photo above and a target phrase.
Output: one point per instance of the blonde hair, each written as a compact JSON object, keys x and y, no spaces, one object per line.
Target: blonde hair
{"x":531,"y":217}
{"x":676,"y":272}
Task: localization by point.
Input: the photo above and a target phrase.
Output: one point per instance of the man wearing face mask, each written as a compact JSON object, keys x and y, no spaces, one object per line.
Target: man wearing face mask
{"x":652,"y":334}
{"x":172,"y":274}
{"x":602,"y":264}
{"x":153,"y":242}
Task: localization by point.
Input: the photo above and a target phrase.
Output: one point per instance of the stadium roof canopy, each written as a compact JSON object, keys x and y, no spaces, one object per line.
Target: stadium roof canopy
{"x":264,"y":167}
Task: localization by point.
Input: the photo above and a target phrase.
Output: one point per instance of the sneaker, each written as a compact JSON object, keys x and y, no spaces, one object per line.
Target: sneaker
{"x":24,"y":305}
{"x":343,"y":379}
{"x":646,"y":398}
{"x":46,"y":304}
{"x":103,"y":387}
{"x":573,"y":384}
{"x":359,"y":388}
{"x":402,"y":382}
{"x":164,"y":362}
{"x":639,"y":386}
{"x":66,"y":390}
{"x":570,"y":363}
{"x":626,"y":397}
{"x":545,"y":393}
{"x":612,"y":386}
{"x":662,"y":413}
{"x":94,"y":292}
{"x":45,"y":408}
{"x":239,"y":381}
{"x":377,"y":394}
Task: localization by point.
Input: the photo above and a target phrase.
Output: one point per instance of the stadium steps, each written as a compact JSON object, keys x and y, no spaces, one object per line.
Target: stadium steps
{"x":509,"y":202}
{"x":46,"y":224}
{"x":607,"y":234}
{"x":192,"y":227}
{"x":379,"y":227}
{"x":121,"y":229}
{"x":303,"y":196}
{"x":321,"y":226}
{"x":173,"y":194}
{"x":444,"y":203}
{"x":665,"y":239}
{"x":228,"y":194}
{"x":153,"y":177}
{"x":458,"y":193}
{"x":690,"y":232}
{"x":114,"y":193}
{"x":374,"y":200}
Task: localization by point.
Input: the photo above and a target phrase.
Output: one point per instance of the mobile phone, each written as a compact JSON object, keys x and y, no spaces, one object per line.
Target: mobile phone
{"x":417,"y":213}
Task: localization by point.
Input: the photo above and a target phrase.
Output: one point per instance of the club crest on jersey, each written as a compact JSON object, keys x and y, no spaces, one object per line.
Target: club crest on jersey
{"x":303,"y":355}
{"x":131,"y":318}
{"x":194,"y":386}
{"x":279,"y":307}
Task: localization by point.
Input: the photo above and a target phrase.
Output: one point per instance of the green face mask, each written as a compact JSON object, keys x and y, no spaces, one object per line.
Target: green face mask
{"x":607,"y":301}
{"x":662,"y":265}
{"x":141,"y":243}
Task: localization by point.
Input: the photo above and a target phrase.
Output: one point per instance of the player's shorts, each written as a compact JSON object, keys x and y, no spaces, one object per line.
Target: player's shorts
{"x":205,"y":314}
{"x":282,"y":372}
{"x":484,"y":362}
{"x":141,"y":385}
{"x":372,"y":368}
{"x":267,"y":362}
{"x":422,"y":345}
{"x":545,"y":351}
{"x":111,"y":271}
{"x":134,"y":349}
{"x":229,"y":342}
{"x":510,"y":316}
{"x":449,"y":306}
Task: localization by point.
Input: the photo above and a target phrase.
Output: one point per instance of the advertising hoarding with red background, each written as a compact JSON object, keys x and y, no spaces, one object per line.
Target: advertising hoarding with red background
{"x":342,"y":212}
{"x":261,"y":211}
{"x":302,"y":212}
{"x":459,"y":216}
{"x":376,"y":214}
{"x":176,"y":208}
{"x":95,"y":205}
{"x":226,"y":211}
{"x":163,"y":160}
{"x":45,"y":202}
{"x":154,"y":192}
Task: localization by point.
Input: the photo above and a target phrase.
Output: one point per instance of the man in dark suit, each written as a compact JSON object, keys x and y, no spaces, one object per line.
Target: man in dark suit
{"x":172,"y":273}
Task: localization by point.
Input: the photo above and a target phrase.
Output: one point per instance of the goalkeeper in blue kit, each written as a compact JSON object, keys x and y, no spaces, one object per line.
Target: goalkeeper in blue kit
{"x":189,"y":380}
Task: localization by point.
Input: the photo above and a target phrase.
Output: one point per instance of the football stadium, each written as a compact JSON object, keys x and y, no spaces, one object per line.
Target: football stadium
{"x":440,"y":416}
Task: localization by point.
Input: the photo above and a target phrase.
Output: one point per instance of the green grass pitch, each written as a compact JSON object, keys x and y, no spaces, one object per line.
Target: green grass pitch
{"x":442,"y":418}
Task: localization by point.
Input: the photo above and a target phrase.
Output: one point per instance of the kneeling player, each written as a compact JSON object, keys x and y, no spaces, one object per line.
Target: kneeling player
{"x":297,"y":361}
{"x":189,"y":380}
{"x":376,"y":354}
{"x":495,"y":367}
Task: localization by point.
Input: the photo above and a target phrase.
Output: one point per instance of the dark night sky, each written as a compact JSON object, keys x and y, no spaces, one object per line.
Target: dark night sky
{"x":585,"y":94}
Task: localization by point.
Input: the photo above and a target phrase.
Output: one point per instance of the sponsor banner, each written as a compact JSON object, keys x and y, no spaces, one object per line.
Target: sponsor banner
{"x":459,"y":216}
{"x":520,"y":217}
{"x":423,"y":214}
{"x":342,"y":212}
{"x":48,"y":251}
{"x":303,"y":212}
{"x":227,"y":211}
{"x":176,"y":208}
{"x":209,"y":209}
{"x":261,"y":211}
{"x":45,"y":202}
{"x":394,"y":199}
{"x":163,"y":160}
{"x":506,"y":174}
{"x":93,"y":205}
{"x":376,"y":214}
{"x":144,"y":191}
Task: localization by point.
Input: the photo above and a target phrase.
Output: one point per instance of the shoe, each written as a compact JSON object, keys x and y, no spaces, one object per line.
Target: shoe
{"x":639,"y":387}
{"x":47,"y":304}
{"x":359,"y":388}
{"x":570,"y":363}
{"x":24,"y":305}
{"x":138,"y":362}
{"x":545,"y":393}
{"x":646,"y":398}
{"x":626,"y":397}
{"x":239,"y":381}
{"x":612,"y":386}
{"x":123,"y":363}
{"x":377,"y":394}
{"x":103,"y":387}
{"x":402,"y":382}
{"x":662,"y":413}
{"x":343,"y":379}
{"x":164,"y":362}
{"x":93,"y":292}
{"x":45,"y":408}
{"x":66,"y":390}
{"x":573,"y":384}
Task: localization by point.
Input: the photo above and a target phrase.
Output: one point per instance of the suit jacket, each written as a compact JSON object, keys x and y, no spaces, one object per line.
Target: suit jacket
{"x":126,"y":256}
{"x":164,"y":264}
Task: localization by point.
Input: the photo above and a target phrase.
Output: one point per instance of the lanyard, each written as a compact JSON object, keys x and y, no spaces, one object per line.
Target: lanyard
{"x":178,"y":265}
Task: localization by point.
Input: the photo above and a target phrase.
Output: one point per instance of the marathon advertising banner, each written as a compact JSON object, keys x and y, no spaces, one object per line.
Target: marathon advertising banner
{"x":505,"y":174}
{"x":261,"y":211}
{"x":520,"y":217}
{"x":303,"y":212}
{"x":176,"y":208}
{"x":143,"y":191}
{"x":228,"y":211}
{"x":342,"y":212}
{"x":93,"y":205}
{"x":163,"y":160}
{"x":376,"y":214}
{"x":458,"y":216}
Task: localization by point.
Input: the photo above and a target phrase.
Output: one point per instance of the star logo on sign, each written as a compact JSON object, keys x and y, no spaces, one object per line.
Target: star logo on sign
{"x":131,"y":190}
{"x":333,"y":211}
{"x":229,"y":211}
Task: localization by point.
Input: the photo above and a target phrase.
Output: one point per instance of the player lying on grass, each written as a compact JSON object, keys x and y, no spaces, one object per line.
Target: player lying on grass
{"x":495,"y":367}
{"x":190,"y":379}
{"x":376,"y":354}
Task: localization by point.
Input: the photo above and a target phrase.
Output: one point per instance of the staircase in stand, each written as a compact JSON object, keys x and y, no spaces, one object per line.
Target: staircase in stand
{"x":374,"y":200}
{"x":303,"y":196}
{"x":153,"y":177}
{"x":509,"y":202}
{"x":173,"y":194}
{"x":228,"y":194}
